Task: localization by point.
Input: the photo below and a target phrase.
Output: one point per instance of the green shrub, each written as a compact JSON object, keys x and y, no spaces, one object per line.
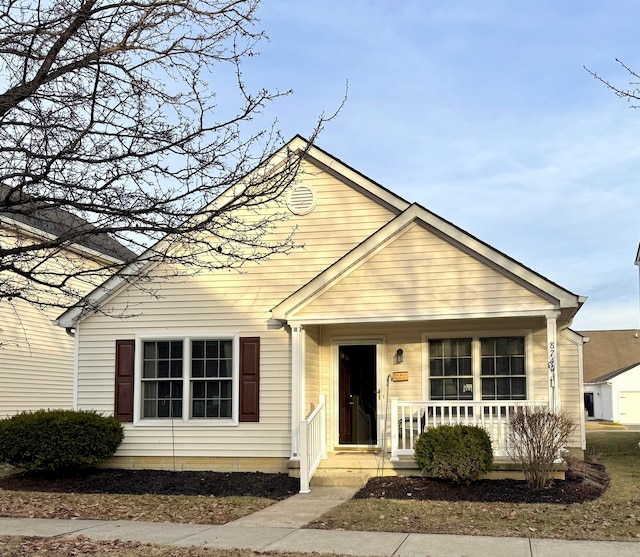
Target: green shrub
{"x":58,"y":440}
{"x":459,"y":453}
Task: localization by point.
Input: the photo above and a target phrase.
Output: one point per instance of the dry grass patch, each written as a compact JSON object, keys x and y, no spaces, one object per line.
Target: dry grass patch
{"x":15,"y":546}
{"x":613,"y":516}
{"x":149,"y":508}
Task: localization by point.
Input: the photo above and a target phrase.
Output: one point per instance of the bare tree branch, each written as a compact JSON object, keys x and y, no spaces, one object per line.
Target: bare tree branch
{"x":111,"y":130}
{"x":632,"y":94}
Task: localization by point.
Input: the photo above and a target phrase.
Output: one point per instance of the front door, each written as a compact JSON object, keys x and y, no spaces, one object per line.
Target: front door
{"x":358,"y":394}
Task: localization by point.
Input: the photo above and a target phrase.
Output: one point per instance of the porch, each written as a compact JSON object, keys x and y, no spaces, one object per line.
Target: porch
{"x":406,"y":421}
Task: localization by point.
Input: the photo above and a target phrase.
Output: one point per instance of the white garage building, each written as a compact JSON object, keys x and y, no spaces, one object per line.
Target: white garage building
{"x":612,"y":376}
{"x":615,"y":396}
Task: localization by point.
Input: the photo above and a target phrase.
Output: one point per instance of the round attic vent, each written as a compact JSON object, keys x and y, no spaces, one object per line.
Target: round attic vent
{"x":301,"y":200}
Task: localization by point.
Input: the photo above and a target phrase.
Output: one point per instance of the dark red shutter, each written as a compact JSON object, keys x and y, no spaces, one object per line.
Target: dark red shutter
{"x":250,"y":379}
{"x":125,"y":355}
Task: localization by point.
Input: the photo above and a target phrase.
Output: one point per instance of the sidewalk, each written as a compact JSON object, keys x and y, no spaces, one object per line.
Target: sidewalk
{"x":278,"y":528}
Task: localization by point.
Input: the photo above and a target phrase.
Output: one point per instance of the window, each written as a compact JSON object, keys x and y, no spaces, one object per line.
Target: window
{"x":211,"y":379}
{"x":187,"y":378}
{"x":503,"y":368}
{"x":451,"y":377}
{"x":162,"y":384}
{"x":478,"y":368}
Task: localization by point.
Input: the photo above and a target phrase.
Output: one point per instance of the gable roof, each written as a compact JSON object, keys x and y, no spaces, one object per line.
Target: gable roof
{"x":40,"y":218}
{"x":609,"y":351}
{"x":563,"y":299}
{"x":611,"y":375}
{"x":405,"y":214}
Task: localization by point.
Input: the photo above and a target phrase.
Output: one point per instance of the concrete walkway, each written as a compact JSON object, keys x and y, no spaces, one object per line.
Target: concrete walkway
{"x":278,"y":528}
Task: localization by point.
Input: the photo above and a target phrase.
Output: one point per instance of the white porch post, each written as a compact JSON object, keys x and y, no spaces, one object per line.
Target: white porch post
{"x":297,"y":388}
{"x":552,"y":361}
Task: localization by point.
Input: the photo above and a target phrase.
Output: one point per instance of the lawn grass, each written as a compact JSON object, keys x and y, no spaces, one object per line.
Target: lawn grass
{"x":614,"y":516}
{"x":149,"y":508}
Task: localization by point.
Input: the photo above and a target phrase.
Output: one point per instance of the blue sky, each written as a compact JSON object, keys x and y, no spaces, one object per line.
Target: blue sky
{"x":483,"y":113}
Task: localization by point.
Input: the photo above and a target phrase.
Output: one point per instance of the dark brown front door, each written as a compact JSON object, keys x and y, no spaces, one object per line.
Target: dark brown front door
{"x":358,"y":394}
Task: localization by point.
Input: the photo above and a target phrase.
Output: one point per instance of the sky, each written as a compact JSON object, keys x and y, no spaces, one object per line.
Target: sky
{"x":483,"y":113}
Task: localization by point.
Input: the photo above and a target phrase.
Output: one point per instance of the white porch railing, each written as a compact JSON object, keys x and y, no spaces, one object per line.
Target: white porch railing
{"x":313,"y":443}
{"x":410,"y":418}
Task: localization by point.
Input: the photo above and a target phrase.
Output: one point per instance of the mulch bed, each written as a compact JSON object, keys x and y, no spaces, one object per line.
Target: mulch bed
{"x":585,"y":481}
{"x":159,"y":482}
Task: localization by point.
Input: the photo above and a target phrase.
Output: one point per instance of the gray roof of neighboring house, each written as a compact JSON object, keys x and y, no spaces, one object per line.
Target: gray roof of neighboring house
{"x":609,"y":353}
{"x":57,"y":222}
{"x":613,"y":374}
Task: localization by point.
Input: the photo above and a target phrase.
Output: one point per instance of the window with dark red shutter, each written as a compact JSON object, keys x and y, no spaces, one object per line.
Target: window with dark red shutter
{"x":125,"y":357}
{"x":249,"y":379}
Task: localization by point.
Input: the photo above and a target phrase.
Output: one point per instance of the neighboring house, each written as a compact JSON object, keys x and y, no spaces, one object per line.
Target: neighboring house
{"x":612,"y":375}
{"x":36,"y":356}
{"x":386,"y":320}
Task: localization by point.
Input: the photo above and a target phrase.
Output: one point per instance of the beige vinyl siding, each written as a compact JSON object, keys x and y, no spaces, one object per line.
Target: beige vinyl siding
{"x":229,"y":302}
{"x":419,"y":273}
{"x":539,"y":389}
{"x":36,"y":360}
{"x":312,"y":368}
{"x":569,"y":383}
{"x":36,"y":356}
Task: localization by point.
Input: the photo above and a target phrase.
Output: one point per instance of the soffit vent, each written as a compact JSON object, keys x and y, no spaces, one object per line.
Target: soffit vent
{"x":301,"y":200}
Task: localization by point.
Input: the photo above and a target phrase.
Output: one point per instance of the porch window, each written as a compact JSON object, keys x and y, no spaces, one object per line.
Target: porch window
{"x":451,"y":376}
{"x":503,"y":369}
{"x":494,"y":368}
{"x":187,"y":378}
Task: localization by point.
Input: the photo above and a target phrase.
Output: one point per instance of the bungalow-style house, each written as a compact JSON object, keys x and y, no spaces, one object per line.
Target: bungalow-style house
{"x":612,"y":375}
{"x":36,"y":356}
{"x":385,"y":320}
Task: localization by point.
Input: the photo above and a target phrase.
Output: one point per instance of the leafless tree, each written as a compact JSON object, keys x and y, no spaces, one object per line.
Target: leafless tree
{"x":116,"y":123}
{"x":631,"y":93}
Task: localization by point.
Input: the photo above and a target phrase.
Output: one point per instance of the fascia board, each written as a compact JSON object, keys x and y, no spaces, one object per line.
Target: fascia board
{"x":357,"y":178}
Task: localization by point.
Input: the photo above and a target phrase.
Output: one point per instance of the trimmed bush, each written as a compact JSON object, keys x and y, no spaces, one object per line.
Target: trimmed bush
{"x":58,"y":440}
{"x":459,"y":453}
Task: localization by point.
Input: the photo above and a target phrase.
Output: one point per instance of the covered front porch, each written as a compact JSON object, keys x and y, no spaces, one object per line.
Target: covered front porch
{"x":422,"y":324}
{"x":407,"y":420}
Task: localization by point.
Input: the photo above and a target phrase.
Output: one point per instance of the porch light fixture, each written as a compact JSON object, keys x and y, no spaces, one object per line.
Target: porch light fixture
{"x":399,"y":357}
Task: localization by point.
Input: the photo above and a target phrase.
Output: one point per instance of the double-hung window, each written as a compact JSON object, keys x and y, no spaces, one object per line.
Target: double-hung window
{"x":450,"y":374}
{"x":188,"y":379}
{"x":503,"y":368}
{"x":478,"y":368}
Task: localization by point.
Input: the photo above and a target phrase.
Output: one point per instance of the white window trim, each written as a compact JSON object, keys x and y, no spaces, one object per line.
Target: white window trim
{"x":475,"y":337}
{"x":185,"y":420}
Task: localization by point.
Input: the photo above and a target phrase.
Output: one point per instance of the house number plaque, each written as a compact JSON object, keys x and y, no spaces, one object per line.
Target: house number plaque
{"x":400,"y":376}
